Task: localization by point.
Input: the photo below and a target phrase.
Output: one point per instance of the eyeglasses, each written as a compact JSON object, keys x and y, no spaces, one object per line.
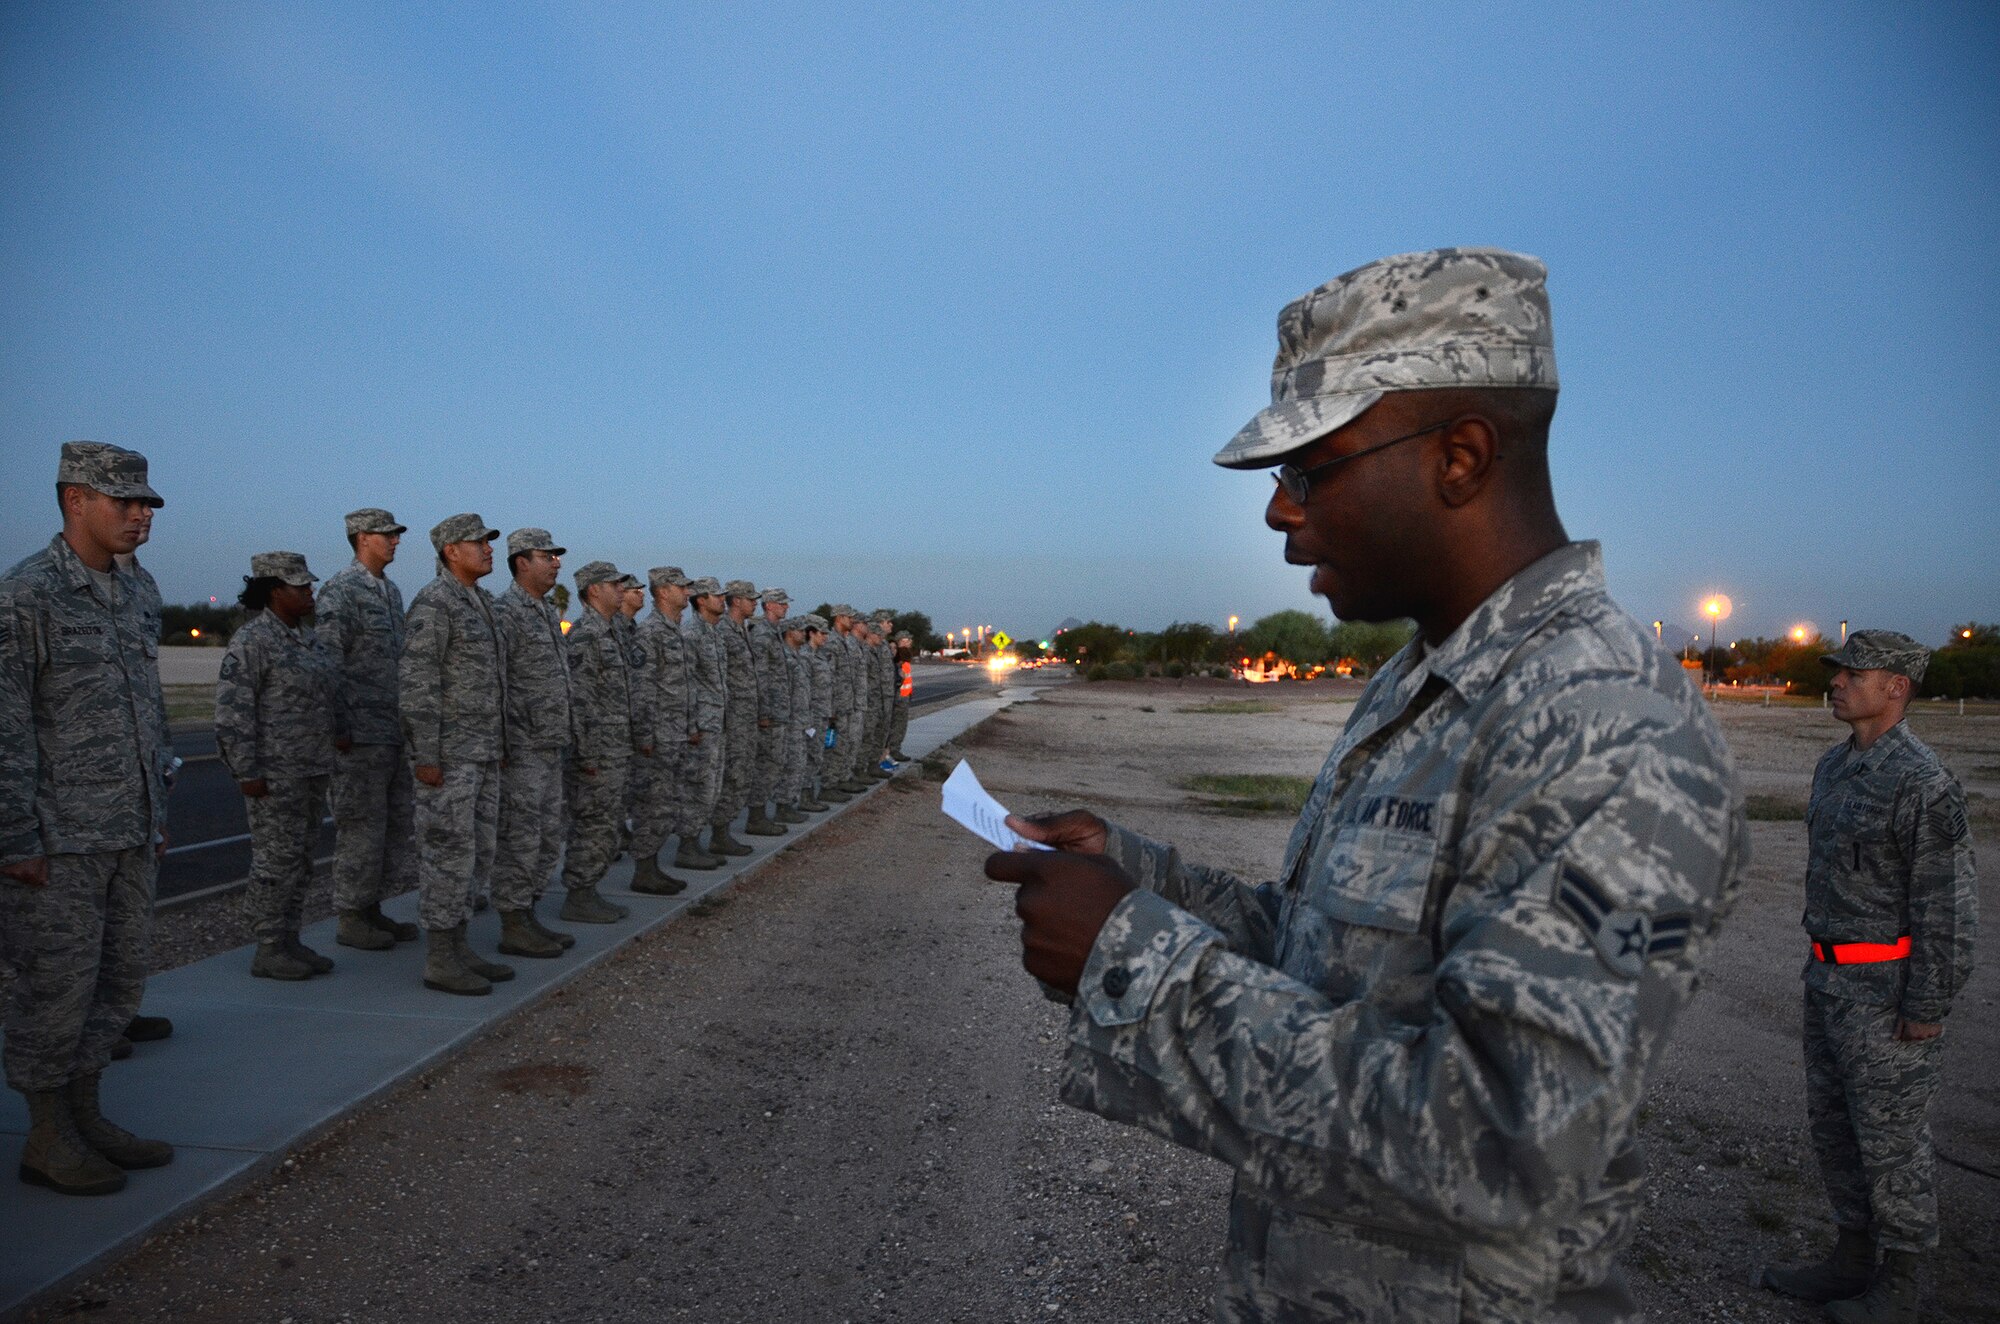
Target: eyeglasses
{"x":1297,"y":483}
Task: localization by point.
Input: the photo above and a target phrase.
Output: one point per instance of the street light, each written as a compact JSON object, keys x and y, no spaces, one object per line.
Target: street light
{"x":1232,"y":625}
{"x":1716,"y":608}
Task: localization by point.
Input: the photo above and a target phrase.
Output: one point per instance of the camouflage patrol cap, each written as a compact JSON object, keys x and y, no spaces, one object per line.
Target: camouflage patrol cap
{"x":704,"y":587}
{"x":532,"y":540}
{"x":285,"y":567}
{"x":841,"y":609}
{"x":791,"y":623}
{"x":815,"y":621}
{"x":109,"y":469}
{"x":373,"y":519}
{"x":905,"y":637}
{"x":740,"y":588}
{"x":667,"y":574}
{"x":629,"y":581}
{"x":884,"y":614}
{"x":595,"y":572}
{"x":461,"y":528}
{"x":1881,"y":650}
{"x":777,"y":595}
{"x":1450,"y":317}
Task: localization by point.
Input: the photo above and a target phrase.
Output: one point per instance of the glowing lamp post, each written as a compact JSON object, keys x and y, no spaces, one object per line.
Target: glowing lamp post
{"x":1717,"y":609}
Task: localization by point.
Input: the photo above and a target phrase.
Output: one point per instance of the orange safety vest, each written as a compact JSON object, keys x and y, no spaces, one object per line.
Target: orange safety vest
{"x":903,"y":690}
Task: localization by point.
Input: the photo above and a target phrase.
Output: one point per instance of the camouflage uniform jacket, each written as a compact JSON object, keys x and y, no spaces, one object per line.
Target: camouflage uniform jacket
{"x":277,"y":703}
{"x":601,"y":677}
{"x":820,"y":660}
{"x":742,"y":698}
{"x":1423,"y":1048}
{"x":453,"y":681}
{"x":538,"y":712}
{"x":850,"y":675}
{"x":81,"y":763}
{"x":151,"y":610}
{"x":667,"y":669}
{"x":638,"y":680}
{"x":799,"y":685}
{"x":1890,"y":854}
{"x":774,"y":686}
{"x":359,"y":619}
{"x":886,"y":651}
{"x":708,"y":674}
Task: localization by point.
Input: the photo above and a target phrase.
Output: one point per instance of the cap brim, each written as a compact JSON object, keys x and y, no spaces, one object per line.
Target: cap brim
{"x":132,"y":492}
{"x":1284,"y":427}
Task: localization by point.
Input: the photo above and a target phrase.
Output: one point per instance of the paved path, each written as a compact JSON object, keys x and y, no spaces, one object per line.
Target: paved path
{"x":257,"y":1066}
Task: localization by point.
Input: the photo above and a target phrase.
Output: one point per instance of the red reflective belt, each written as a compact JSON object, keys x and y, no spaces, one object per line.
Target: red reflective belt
{"x":1861,"y":953}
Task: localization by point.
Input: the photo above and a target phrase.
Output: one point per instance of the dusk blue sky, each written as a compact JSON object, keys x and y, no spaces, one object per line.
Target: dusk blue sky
{"x":947,"y":307}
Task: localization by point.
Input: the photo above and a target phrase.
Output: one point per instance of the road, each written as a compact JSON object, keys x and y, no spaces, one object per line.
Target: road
{"x":209,"y":836}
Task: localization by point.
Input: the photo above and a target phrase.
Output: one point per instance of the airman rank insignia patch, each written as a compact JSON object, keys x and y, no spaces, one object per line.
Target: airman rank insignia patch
{"x":1625,"y":939}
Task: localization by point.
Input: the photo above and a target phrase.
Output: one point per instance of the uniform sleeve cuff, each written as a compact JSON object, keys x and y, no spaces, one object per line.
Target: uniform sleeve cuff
{"x":1145,"y":939}
{"x":1142,"y":858}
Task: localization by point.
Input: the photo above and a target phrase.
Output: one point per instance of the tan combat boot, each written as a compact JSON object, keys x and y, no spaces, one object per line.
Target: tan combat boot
{"x":320,"y":965}
{"x":650,"y":879}
{"x":1843,"y":1273}
{"x":107,"y":1137}
{"x":395,"y":928}
{"x":444,"y":971}
{"x":1891,"y":1297}
{"x":557,"y":936}
{"x":692,"y":856}
{"x":761,"y":825}
{"x":785,"y":813}
{"x":273,"y":961}
{"x":355,"y":931}
{"x":520,"y":937}
{"x":56,"y":1156}
{"x":721,"y":843}
{"x":491,"y":971}
{"x":583,"y":905}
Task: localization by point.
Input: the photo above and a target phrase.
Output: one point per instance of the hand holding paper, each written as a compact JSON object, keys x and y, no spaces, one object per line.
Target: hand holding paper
{"x":968,"y":802}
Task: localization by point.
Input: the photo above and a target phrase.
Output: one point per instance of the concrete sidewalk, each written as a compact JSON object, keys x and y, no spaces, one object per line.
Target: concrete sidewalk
{"x":257,"y":1066}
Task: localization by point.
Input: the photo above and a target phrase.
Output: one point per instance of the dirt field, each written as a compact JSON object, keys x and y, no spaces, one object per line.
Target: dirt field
{"x":830,"y":1095}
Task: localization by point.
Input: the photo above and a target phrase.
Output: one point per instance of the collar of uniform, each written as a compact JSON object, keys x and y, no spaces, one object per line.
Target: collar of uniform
{"x":74,"y":572}
{"x":1475,"y":652}
{"x":1889,"y":744}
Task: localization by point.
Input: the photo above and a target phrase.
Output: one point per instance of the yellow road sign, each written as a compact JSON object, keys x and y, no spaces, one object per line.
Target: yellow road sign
{"x":1000,"y":639}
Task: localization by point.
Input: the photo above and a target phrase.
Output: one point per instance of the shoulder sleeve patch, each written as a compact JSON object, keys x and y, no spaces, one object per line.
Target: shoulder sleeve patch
{"x":1625,"y":939}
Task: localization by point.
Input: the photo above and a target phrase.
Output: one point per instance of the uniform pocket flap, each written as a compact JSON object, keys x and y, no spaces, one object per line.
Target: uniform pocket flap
{"x":1375,"y":876}
{"x":1347,"y":1271}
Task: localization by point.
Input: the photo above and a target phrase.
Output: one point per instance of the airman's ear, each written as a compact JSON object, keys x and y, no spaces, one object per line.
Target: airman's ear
{"x":1468,"y":452}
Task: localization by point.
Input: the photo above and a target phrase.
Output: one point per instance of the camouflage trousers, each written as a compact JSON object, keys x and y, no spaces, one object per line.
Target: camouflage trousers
{"x":739,"y":755}
{"x":701,"y":783}
{"x":79,"y":946}
{"x":456,"y":836}
{"x":284,"y":827}
{"x":899,"y":723}
{"x":842,"y":759}
{"x":791,"y":787}
{"x":596,"y":820}
{"x":814,"y":775}
{"x":1867,"y":1094}
{"x":869,"y":752}
{"x":530,"y":834}
{"x":769,"y":776}
{"x":657,"y":811}
{"x":374,"y":826}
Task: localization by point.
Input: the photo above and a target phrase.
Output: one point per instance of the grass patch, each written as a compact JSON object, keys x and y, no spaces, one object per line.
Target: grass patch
{"x":1236,"y":706}
{"x":1252,"y":793}
{"x":190,"y":703}
{"x":1773,"y":809}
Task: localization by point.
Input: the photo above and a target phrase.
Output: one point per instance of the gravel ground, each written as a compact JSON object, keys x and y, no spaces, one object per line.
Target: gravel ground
{"x":829,"y":1094}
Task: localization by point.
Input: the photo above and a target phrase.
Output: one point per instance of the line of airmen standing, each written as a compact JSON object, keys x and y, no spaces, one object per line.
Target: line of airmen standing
{"x":470,"y":743}
{"x":466,"y":745}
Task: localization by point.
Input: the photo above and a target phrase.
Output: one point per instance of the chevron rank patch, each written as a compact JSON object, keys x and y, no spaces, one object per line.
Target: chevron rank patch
{"x":1625,"y":939}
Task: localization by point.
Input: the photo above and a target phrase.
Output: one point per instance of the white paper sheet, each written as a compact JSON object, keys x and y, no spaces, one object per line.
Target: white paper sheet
{"x":968,"y":802}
